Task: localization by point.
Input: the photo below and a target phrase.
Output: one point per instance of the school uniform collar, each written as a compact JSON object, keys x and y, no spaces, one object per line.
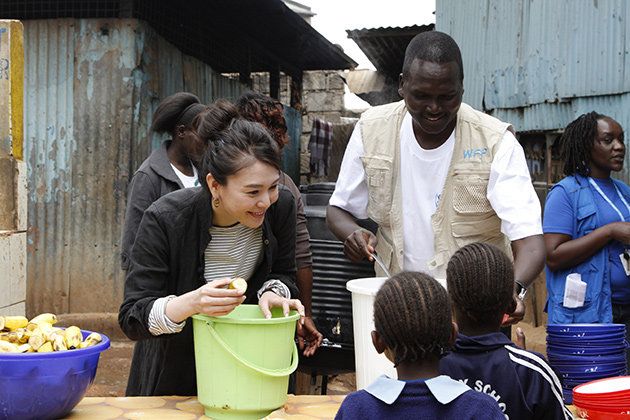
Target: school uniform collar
{"x":443,"y":388}
{"x":483,"y":342}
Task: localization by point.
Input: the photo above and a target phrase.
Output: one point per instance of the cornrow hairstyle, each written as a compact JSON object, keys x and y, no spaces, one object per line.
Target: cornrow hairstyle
{"x":178,"y":109}
{"x":412,"y":314}
{"x":434,"y":47}
{"x":576,"y":143}
{"x":480,"y":281}
{"x":254,"y":106}
{"x":233,"y":143}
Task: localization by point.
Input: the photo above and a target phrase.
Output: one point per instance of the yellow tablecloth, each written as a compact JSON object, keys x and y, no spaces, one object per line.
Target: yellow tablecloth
{"x":298,"y":407}
{"x":106,"y":408}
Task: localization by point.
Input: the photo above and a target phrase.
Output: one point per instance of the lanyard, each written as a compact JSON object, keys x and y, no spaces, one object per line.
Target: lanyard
{"x":599,"y":190}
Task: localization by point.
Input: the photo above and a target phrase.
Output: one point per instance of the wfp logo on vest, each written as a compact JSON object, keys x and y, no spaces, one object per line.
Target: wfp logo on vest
{"x":471,"y":153}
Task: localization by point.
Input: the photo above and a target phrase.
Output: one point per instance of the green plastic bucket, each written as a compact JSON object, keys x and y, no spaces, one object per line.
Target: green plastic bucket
{"x":244,"y":361}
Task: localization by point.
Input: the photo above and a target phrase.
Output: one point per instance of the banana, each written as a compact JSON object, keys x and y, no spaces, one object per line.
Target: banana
{"x":1,"y":323}
{"x":12,"y":323}
{"x":25,"y":348}
{"x":13,"y":337}
{"x":59,"y":343}
{"x":4,"y":336}
{"x":47,"y":318}
{"x":47,"y":347}
{"x":36,"y":340}
{"x":73,"y":337}
{"x":92,"y":340}
{"x":6,"y":347}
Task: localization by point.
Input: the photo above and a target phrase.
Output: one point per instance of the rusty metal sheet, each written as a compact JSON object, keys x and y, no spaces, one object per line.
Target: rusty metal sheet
{"x":91,"y":88}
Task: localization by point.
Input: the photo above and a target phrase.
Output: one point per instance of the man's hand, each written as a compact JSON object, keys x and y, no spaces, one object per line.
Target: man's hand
{"x":309,"y":339}
{"x":517,"y":315}
{"x":359,"y":245}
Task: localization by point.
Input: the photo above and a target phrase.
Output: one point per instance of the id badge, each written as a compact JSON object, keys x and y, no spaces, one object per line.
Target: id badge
{"x":625,"y":262}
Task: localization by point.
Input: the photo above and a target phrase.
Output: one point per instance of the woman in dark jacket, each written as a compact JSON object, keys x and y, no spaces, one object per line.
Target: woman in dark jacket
{"x":191,"y":242}
{"x":168,"y":168}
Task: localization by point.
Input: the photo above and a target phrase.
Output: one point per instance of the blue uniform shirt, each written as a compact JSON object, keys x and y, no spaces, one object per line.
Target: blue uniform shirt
{"x":560,"y":218}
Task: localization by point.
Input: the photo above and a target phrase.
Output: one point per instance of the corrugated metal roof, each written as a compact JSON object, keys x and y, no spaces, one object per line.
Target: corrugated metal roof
{"x":385,"y":47}
{"x":89,"y":99}
{"x":230,"y":35}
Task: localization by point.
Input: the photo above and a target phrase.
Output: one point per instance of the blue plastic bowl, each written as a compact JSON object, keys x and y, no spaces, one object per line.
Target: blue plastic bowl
{"x":594,"y":329}
{"x":46,"y":385}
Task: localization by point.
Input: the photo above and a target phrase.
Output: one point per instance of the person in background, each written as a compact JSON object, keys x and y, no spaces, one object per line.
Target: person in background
{"x":480,"y":278}
{"x":192,"y":242}
{"x":254,"y":106}
{"x":435,"y":175}
{"x":586,"y":225}
{"x":413,"y":327}
{"x":168,"y":168}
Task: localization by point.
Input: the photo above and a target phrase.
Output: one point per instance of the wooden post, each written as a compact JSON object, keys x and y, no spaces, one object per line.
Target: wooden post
{"x":13,"y":195}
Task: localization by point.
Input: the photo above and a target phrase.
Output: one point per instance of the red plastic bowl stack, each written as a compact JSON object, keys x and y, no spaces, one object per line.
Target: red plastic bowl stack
{"x":603,"y":399}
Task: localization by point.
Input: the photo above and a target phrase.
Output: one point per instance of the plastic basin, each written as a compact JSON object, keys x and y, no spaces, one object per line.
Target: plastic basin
{"x":46,"y":385}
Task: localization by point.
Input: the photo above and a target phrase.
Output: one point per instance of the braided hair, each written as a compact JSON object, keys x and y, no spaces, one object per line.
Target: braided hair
{"x":412,"y":315}
{"x":480,"y":281}
{"x":576,"y":143}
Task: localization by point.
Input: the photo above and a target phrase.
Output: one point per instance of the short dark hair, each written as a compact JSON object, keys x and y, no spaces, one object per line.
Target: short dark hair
{"x":233,"y":143}
{"x":576,"y":143}
{"x":178,"y":109}
{"x":435,"y":47}
{"x":412,"y":315}
{"x":480,"y":281}
{"x":254,"y":106}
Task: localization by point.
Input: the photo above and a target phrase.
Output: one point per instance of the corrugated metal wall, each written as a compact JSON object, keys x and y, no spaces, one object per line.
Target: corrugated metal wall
{"x":539,"y":64}
{"x":90,"y":90}
{"x":519,"y":53}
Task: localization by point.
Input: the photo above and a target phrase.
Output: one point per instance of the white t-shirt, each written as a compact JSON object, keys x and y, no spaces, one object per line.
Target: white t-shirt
{"x":423,"y":172}
{"x":188,"y":181}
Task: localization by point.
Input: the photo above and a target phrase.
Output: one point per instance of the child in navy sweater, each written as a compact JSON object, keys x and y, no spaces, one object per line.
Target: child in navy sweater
{"x":480,"y":280}
{"x":413,"y":326}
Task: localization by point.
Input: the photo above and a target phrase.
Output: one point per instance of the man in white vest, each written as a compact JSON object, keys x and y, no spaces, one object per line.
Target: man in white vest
{"x":435,"y":175}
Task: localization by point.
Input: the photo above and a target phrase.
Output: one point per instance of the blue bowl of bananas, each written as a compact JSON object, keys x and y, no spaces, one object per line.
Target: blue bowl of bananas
{"x":45,"y":370}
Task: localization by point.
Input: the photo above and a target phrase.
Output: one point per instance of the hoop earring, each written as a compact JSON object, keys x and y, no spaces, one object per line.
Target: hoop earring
{"x":216,"y":202}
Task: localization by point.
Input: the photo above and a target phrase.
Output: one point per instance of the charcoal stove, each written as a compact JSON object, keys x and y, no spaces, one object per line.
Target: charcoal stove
{"x":331,"y":302}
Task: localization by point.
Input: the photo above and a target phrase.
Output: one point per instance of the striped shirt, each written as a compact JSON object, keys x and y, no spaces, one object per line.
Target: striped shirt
{"x":234,"y":251}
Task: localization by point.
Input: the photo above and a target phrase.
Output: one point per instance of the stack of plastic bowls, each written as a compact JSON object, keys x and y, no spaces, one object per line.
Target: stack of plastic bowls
{"x":581,"y":353}
{"x":603,"y":399}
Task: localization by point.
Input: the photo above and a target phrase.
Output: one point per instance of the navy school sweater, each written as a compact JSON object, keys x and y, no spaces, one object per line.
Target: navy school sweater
{"x":522,"y":382}
{"x":416,"y":400}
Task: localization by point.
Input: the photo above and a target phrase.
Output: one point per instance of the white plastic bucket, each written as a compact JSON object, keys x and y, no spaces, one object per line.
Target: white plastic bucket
{"x":369,"y":364}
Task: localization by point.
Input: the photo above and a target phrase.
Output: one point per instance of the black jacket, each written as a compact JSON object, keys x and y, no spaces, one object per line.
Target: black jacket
{"x":168,"y":259}
{"x":152,"y":180}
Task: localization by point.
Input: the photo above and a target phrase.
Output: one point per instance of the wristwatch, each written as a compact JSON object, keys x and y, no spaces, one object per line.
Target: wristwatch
{"x":521,"y":290}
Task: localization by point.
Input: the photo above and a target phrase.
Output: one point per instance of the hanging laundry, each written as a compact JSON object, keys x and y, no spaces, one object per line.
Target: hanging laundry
{"x":319,"y":146}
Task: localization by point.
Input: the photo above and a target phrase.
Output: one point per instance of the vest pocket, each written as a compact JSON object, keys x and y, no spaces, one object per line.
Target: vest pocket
{"x":469,"y":195}
{"x":378,"y":176}
{"x":482,"y":228}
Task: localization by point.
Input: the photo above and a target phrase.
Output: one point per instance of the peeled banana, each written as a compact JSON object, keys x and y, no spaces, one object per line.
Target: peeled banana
{"x":19,"y":335}
{"x":6,"y":347}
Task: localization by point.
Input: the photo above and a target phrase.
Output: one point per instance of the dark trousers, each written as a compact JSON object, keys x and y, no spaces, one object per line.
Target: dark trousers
{"x":621,"y":315}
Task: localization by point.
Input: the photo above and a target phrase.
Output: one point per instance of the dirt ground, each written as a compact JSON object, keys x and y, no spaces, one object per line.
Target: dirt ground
{"x":113,"y":368}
